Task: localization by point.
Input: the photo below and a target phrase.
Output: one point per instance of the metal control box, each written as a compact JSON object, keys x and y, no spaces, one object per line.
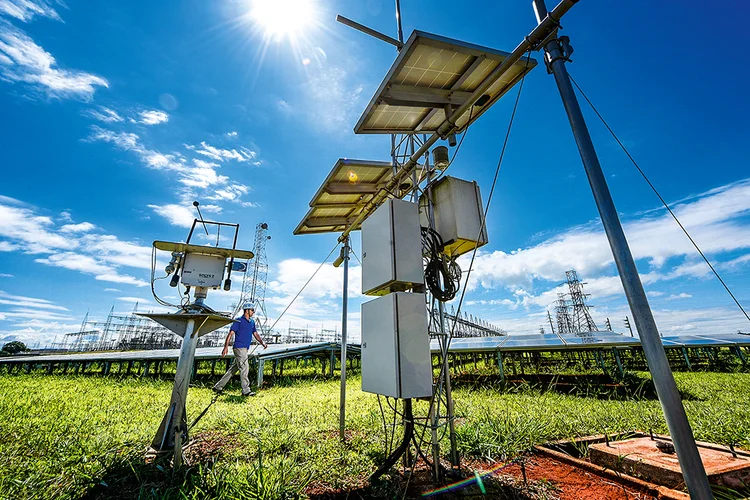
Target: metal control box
{"x":203,"y":270}
{"x":392,"y":249}
{"x":458,"y":213}
{"x":396,"y":359}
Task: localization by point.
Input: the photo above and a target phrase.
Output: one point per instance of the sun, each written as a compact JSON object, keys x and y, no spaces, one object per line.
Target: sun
{"x":279,"y":19}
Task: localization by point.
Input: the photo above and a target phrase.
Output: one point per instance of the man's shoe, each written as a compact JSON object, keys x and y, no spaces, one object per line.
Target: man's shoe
{"x":248,"y":394}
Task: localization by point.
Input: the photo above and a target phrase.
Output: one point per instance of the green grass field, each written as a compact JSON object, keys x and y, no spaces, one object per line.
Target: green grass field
{"x":85,"y":436}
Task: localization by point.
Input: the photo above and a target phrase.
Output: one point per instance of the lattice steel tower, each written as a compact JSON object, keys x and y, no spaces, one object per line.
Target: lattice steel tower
{"x":582,"y":320}
{"x":562,"y":315}
{"x":256,"y":274}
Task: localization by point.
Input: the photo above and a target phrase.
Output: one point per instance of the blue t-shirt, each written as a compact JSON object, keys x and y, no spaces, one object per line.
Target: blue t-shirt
{"x":243,"y":329}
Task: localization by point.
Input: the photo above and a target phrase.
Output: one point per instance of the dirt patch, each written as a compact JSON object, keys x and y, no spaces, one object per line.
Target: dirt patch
{"x":539,"y":478}
{"x":572,"y":483}
{"x":209,"y":446}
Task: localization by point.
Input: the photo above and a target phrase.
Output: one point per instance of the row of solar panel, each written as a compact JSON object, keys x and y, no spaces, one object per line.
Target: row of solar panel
{"x":542,"y":342}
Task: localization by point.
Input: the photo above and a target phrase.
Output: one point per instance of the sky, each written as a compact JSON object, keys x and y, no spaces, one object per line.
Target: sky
{"x":117,"y":115}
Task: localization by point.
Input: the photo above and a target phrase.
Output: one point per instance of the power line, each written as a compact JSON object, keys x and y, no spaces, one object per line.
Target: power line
{"x":304,"y":286}
{"x":656,"y":192}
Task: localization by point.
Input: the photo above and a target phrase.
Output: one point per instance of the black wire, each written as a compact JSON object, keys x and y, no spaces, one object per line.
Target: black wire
{"x":653,"y":188}
{"x":442,"y":277}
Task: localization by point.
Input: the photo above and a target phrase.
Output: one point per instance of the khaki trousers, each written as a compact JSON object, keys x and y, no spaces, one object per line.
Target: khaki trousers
{"x":240,"y":364}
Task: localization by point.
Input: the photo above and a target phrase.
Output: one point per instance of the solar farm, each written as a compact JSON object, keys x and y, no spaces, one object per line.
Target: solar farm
{"x":425,"y":400}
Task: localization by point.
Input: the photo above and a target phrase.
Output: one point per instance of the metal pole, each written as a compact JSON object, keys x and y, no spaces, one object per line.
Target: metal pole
{"x":344,"y":306}
{"x":174,"y":423}
{"x":674,"y":413}
{"x":398,"y":21}
{"x":443,"y":342}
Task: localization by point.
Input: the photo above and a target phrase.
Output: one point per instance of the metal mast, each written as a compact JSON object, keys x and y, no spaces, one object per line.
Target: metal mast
{"x":256,"y":274}
{"x":582,"y":320}
{"x":557,"y":52}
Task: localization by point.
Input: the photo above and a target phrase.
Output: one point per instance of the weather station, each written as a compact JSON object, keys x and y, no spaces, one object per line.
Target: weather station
{"x":198,"y":269}
{"x":408,"y":210}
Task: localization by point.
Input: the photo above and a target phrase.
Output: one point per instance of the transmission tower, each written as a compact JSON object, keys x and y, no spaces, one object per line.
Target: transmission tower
{"x":562,"y":314}
{"x":256,"y":274}
{"x":582,"y":321}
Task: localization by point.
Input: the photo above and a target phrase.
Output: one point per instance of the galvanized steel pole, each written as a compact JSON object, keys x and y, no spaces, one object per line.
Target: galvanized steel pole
{"x":674,"y":413}
{"x":344,"y":307}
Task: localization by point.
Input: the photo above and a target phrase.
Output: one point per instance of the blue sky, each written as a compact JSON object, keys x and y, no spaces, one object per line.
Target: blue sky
{"x":118,"y":114}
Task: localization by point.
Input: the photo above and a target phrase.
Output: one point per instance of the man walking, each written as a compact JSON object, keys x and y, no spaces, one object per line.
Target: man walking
{"x":243,"y":329}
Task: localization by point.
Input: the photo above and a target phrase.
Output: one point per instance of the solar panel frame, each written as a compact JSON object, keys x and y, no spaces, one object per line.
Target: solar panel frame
{"x":403,"y":92}
{"x":349,"y":186}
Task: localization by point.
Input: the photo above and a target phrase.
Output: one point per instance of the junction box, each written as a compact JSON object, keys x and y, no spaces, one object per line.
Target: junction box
{"x":396,"y":359}
{"x":457,"y":206}
{"x":392,"y":249}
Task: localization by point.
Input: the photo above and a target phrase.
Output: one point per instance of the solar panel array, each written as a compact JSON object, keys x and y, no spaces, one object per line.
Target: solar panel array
{"x":539,"y":342}
{"x":597,"y":340}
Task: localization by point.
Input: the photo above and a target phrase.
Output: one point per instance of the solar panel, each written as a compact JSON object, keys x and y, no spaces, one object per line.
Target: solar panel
{"x":349,"y":186}
{"x":434,"y":74}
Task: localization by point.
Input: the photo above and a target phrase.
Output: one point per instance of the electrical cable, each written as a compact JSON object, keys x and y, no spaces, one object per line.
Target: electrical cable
{"x":408,"y":434}
{"x":442,"y":277}
{"x":153,"y":279}
{"x":658,"y":195}
{"x":304,"y":286}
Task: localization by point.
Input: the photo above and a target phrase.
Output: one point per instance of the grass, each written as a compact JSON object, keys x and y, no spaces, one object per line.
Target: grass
{"x":85,"y":436}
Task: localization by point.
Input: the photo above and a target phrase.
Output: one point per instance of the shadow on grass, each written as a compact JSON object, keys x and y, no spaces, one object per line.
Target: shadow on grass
{"x":130,"y":476}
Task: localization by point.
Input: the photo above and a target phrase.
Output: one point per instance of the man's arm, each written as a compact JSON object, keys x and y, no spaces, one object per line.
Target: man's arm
{"x":226,"y":343}
{"x":258,"y":337}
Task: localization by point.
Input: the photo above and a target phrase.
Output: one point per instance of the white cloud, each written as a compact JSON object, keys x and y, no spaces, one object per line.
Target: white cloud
{"x":153,"y":117}
{"x":221,"y":155}
{"x":8,"y":247}
{"x":26,"y":313}
{"x":134,"y":300}
{"x":33,"y":231}
{"x":111,"y":289}
{"x":22,"y":60}
{"x":682,"y":295}
{"x":70,"y":247}
{"x":25,"y":10}
{"x":231,"y":134}
{"x":6,"y":275}
{"x":177,"y":215}
{"x":713,"y":218}
{"x":83,"y":227}
{"x":103,"y":114}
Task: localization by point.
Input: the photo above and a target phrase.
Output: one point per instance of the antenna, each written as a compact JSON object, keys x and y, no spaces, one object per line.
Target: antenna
{"x":195,"y":204}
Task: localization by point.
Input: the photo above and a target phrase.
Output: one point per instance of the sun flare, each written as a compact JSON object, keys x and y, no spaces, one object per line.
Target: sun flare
{"x":283,"y":18}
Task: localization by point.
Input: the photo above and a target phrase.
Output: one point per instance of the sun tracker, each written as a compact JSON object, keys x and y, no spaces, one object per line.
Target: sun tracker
{"x":433,"y":75}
